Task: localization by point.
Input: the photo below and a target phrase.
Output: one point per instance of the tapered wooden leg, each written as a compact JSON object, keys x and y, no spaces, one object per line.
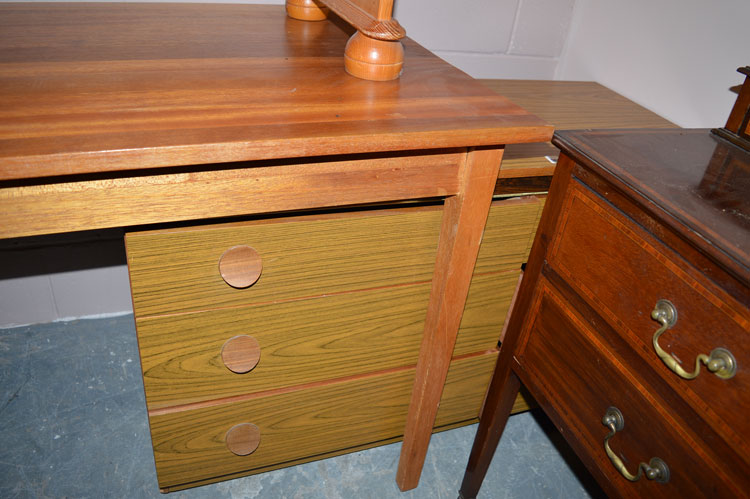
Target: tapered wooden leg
{"x":500,"y":398}
{"x":463,"y":223}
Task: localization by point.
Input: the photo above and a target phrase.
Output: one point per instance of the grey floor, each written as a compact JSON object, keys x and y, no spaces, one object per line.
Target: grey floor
{"x":73,"y":424}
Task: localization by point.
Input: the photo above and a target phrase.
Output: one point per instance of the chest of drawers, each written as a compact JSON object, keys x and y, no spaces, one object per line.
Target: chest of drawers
{"x":632,"y":322}
{"x":325,"y":341}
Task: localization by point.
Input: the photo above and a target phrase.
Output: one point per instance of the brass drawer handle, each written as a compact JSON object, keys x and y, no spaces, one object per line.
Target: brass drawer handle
{"x":720,"y":361}
{"x":656,"y":469}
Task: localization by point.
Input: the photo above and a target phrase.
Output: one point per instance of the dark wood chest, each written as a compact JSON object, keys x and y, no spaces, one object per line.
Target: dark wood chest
{"x":632,"y":322}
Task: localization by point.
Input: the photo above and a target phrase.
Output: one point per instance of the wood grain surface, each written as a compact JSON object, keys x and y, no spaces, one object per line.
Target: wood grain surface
{"x":631,"y":218}
{"x":702,"y":185}
{"x":567,"y":105}
{"x":461,"y":231}
{"x":189,"y":445}
{"x":370,"y":17}
{"x":594,"y":379}
{"x":706,"y":317}
{"x":163,"y":85}
{"x":307,"y":341}
{"x":220,"y":191}
{"x":504,"y":384}
{"x":175,"y":271}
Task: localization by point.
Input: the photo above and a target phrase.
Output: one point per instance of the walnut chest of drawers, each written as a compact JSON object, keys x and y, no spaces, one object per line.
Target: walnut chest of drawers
{"x":631,"y":326}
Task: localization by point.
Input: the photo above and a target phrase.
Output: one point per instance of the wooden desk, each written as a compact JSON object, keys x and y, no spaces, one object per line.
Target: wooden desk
{"x":121,"y":115}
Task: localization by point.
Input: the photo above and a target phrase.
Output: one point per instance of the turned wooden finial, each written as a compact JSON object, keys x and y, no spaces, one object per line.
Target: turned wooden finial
{"x":373,"y":59}
{"x":374,"y":52}
{"x":306,"y":10}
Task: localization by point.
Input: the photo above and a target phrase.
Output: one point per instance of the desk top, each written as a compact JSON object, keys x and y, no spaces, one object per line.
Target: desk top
{"x":567,"y":105}
{"x":109,"y":87}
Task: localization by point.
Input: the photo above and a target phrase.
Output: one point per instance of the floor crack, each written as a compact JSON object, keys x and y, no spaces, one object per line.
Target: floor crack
{"x":14,"y":396}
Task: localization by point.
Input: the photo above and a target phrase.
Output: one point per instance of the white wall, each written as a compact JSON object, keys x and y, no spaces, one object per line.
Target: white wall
{"x":518,"y":39}
{"x":675,"y":57}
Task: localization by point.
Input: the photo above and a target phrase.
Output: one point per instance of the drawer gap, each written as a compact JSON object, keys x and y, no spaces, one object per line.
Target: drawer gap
{"x":278,"y":391}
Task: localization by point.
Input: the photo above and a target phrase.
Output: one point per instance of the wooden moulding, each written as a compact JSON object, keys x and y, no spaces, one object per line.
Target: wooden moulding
{"x":374,"y":21}
{"x":737,"y":129}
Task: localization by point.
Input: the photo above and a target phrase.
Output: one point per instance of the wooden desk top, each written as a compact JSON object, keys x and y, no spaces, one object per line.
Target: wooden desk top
{"x":572,"y":105}
{"x":567,"y":105}
{"x":109,"y":87}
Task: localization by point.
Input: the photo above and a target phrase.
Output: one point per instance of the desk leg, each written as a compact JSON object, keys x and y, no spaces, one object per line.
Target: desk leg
{"x":501,"y":396}
{"x":463,"y":223}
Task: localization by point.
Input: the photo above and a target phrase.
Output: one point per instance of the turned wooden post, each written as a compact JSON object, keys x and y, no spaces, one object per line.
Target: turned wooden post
{"x":374,"y":52}
{"x":373,"y":59}
{"x":306,"y":10}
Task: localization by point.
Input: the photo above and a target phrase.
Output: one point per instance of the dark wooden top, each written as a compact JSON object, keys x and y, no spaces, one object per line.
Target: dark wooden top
{"x":105,"y":87}
{"x":696,"y":182}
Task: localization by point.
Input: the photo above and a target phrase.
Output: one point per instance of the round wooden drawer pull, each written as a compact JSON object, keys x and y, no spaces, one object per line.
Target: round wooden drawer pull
{"x":240,"y":354}
{"x":240,"y":266}
{"x":243,"y":439}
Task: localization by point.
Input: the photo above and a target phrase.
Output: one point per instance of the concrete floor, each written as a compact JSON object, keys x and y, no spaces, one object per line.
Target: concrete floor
{"x":73,"y":424}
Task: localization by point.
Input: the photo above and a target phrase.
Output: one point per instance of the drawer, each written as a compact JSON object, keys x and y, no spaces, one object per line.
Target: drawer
{"x":572,"y":367}
{"x":625,"y":272}
{"x":191,"y":445}
{"x":177,"y":270}
{"x":306,"y":341}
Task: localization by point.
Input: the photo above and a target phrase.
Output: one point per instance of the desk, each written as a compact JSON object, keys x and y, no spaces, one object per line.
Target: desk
{"x":122,"y":115}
